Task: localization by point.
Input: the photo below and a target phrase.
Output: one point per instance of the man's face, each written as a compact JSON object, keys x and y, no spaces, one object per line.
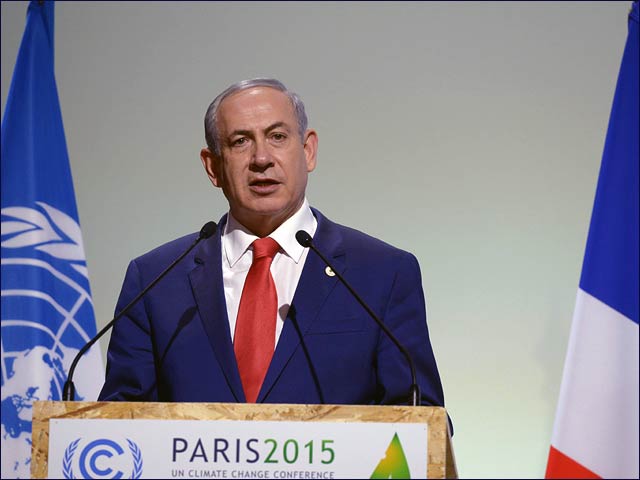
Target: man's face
{"x":264,"y":164}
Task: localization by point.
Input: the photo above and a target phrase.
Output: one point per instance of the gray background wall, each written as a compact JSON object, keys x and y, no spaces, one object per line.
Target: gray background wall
{"x":467,"y":133}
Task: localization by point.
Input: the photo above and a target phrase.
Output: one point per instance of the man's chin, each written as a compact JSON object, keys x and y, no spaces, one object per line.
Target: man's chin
{"x":267,"y":212}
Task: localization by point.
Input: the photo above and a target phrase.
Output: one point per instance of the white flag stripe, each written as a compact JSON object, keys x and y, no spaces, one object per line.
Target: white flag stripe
{"x":598,"y":407}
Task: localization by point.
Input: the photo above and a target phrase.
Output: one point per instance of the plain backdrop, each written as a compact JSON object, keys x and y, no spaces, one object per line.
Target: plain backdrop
{"x":467,"y":133}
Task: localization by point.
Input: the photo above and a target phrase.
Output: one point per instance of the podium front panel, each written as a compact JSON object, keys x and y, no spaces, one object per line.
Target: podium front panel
{"x":220,"y":440}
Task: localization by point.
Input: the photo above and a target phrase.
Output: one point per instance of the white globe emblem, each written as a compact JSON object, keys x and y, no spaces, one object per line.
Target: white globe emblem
{"x":46,"y":312}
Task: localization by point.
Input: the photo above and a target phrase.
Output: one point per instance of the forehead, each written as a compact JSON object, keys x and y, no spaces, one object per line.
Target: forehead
{"x":255,"y":107}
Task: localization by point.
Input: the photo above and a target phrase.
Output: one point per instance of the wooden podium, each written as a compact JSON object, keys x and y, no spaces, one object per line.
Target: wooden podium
{"x":440,"y":464}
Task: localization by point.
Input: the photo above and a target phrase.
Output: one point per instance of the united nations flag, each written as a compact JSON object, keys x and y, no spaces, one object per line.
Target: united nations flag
{"x":47,"y":312}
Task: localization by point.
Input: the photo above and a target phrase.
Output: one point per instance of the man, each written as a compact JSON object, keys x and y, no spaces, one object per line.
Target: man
{"x":204,"y":334}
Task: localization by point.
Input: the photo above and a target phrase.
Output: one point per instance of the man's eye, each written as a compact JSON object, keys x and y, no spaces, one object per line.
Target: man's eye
{"x":278,"y":137}
{"x":239,"y":141}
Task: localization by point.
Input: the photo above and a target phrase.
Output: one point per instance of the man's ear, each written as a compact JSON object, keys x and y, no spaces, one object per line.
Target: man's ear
{"x":310,"y":146}
{"x":210,"y":162}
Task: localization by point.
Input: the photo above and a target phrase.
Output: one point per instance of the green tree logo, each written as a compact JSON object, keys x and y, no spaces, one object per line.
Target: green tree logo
{"x":394,"y":464}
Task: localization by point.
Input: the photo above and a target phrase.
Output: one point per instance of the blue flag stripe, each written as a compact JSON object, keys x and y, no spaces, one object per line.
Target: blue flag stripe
{"x":610,"y":269}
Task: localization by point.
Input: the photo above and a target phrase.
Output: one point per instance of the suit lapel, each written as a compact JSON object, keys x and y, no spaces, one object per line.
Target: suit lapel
{"x":313,"y":289}
{"x":208,"y":290}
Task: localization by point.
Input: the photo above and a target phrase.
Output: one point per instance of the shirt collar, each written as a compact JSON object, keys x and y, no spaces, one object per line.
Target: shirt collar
{"x":236,"y":238}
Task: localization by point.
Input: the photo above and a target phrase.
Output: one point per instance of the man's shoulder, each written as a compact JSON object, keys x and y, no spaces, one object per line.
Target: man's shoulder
{"x":357,"y":241}
{"x":170,"y":249}
{"x":353,"y":237}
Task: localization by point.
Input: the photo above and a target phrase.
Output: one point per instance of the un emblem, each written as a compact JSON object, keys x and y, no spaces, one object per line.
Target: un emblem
{"x":102,"y":458}
{"x":47,"y":316}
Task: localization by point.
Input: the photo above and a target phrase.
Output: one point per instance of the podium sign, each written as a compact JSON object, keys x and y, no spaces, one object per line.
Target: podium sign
{"x":238,"y":440}
{"x":99,"y":448}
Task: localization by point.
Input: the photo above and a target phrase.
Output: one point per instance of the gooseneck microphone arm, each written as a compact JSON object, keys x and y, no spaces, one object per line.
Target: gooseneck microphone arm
{"x":306,"y":241}
{"x":69,"y":391}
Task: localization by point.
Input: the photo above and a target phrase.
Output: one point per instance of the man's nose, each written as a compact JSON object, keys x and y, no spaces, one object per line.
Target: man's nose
{"x":261,"y":154}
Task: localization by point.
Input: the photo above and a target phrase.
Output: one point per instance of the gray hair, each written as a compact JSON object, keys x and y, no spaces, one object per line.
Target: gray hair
{"x":210,"y":118}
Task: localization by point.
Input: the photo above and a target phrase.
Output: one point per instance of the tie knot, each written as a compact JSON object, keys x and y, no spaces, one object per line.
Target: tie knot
{"x":265,"y":247}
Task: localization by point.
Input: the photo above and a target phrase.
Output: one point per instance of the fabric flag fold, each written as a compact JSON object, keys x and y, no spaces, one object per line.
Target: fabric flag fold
{"x":595,"y":434}
{"x":47,"y":312}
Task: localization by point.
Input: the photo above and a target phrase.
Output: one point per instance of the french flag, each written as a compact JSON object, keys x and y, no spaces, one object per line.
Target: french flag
{"x":595,"y":434}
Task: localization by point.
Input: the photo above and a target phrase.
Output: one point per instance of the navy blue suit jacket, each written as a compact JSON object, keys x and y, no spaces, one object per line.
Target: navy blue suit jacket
{"x":175,"y":344}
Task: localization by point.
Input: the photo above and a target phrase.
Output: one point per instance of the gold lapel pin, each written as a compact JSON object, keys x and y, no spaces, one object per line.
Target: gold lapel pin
{"x":329,"y":272}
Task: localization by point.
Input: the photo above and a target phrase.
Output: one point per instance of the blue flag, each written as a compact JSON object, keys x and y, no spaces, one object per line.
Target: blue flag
{"x":47,"y":312}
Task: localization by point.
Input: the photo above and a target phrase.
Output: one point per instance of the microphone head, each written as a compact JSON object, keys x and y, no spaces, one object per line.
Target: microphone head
{"x":304,"y":238}
{"x":207,"y":230}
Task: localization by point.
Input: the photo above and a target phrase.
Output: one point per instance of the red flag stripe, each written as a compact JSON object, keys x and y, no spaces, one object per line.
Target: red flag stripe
{"x":562,"y":466}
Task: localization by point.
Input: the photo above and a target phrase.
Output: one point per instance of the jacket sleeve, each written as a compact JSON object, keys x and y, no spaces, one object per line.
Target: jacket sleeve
{"x":130,"y":374}
{"x":405,"y":316}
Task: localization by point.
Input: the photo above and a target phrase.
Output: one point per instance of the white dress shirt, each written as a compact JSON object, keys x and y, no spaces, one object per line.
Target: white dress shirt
{"x":286,"y":268}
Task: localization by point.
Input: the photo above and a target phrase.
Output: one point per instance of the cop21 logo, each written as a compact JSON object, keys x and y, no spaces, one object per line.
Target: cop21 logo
{"x":102,"y":458}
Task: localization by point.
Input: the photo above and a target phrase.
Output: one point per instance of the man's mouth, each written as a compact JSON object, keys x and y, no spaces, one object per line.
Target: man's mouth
{"x":264,"y":186}
{"x":263,"y":183}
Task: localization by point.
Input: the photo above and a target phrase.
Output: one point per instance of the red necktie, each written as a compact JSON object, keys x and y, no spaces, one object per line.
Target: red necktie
{"x":254,"y":339}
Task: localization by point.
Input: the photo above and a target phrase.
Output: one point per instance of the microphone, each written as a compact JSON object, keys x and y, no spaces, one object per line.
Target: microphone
{"x":69,"y":390}
{"x":305,"y":240}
